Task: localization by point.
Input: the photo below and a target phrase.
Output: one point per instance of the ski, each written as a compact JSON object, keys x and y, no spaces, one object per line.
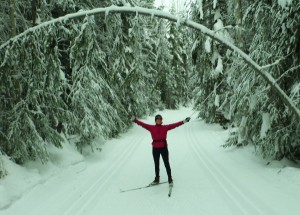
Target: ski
{"x":170,"y":189}
{"x":144,"y":187}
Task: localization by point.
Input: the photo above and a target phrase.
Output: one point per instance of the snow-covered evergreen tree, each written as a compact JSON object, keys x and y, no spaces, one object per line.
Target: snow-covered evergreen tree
{"x":91,"y":96}
{"x":75,"y":80}
{"x":31,"y":103}
{"x":245,"y":98}
{"x":125,"y":60}
{"x":163,"y":62}
{"x":266,"y":121}
{"x":176,"y":78}
{"x":88,"y":75}
{"x":208,"y":59}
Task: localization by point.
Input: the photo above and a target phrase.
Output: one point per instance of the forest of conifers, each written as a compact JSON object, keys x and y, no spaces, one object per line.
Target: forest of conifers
{"x":87,"y":76}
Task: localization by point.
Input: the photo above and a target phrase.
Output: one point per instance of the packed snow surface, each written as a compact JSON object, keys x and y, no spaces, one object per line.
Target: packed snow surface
{"x":208,"y":179}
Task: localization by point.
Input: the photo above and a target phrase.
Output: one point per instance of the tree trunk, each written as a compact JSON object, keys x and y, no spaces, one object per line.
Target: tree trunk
{"x":33,"y":11}
{"x":3,"y":172}
{"x":239,"y":23}
{"x":12,"y":18}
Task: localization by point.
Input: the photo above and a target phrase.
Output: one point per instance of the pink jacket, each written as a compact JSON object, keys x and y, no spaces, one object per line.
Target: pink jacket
{"x":158,"y":132}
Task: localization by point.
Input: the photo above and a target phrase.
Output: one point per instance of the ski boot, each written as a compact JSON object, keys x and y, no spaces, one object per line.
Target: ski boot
{"x":155,"y":182}
{"x":170,"y":180}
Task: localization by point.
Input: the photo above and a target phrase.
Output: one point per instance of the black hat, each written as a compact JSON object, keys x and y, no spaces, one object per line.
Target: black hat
{"x":158,"y":116}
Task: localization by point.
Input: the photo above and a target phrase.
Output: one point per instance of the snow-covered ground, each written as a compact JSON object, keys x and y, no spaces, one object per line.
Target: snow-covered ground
{"x":208,"y":179}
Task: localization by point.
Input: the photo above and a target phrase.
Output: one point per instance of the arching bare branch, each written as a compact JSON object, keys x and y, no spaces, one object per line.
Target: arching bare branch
{"x":164,"y":15}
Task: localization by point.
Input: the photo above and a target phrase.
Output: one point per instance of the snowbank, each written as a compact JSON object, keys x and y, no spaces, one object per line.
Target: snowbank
{"x":21,"y":179}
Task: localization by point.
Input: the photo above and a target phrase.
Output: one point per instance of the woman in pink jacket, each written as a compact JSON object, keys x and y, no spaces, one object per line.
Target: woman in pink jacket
{"x":159,"y":143}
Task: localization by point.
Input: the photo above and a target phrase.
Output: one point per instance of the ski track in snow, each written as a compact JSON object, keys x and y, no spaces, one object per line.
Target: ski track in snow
{"x":79,"y":206}
{"x":227,"y":186}
{"x":208,"y":179}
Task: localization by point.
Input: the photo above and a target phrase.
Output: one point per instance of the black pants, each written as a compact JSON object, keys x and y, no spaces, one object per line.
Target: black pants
{"x":165,"y":156}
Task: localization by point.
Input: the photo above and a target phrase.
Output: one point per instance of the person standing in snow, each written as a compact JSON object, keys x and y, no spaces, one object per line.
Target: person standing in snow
{"x":159,"y":143}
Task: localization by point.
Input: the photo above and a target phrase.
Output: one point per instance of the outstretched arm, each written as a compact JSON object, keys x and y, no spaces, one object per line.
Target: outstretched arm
{"x":144,"y":125}
{"x":174,"y":125}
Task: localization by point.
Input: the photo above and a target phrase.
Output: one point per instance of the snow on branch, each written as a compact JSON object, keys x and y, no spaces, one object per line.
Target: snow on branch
{"x":186,"y":22}
{"x":272,"y":64}
{"x":288,"y":71}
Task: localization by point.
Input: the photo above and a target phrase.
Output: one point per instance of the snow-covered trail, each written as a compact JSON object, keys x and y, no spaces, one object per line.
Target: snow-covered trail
{"x":208,"y":179}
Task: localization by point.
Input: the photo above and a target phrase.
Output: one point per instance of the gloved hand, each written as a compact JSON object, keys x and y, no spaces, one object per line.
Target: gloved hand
{"x":187,"y":119}
{"x":133,"y":118}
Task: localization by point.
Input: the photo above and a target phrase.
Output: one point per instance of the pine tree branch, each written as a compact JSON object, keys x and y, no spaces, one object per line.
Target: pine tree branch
{"x":185,"y":22}
{"x":287,"y":71}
